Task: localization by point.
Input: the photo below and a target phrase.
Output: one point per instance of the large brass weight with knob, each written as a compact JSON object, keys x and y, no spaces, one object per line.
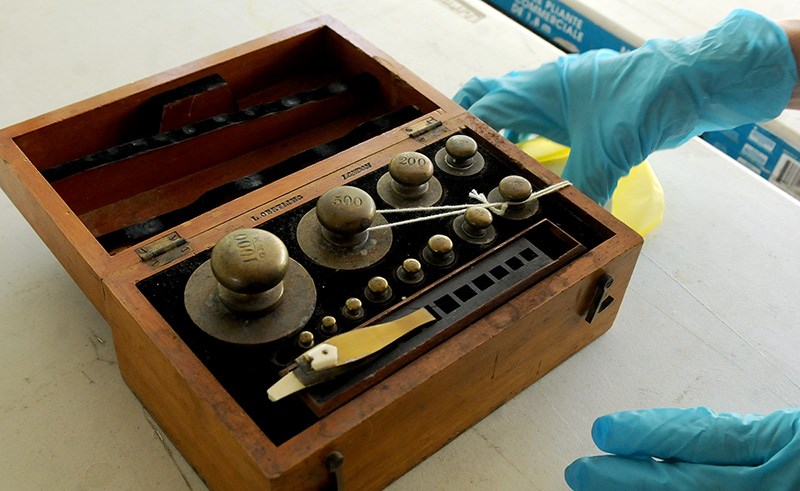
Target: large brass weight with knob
{"x":250,"y":291}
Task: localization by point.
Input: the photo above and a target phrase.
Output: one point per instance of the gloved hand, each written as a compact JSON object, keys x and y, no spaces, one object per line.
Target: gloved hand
{"x":615,"y":109}
{"x":699,"y":448}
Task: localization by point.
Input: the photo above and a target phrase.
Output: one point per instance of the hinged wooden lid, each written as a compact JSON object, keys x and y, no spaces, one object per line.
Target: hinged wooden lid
{"x":173,"y":155}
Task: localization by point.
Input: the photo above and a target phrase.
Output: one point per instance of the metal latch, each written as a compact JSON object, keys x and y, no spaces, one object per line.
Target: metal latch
{"x":421,"y":127}
{"x":601,"y":299}
{"x":334,"y":463}
{"x":163,"y":250}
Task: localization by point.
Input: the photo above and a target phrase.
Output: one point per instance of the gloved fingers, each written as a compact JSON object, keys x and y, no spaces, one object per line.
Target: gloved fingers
{"x":610,"y":472}
{"x":525,"y":102}
{"x":472,"y":91}
{"x":590,"y":169}
{"x":697,"y":435}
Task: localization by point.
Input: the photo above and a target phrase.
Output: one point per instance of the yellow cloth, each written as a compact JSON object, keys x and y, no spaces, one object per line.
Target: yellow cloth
{"x":638,"y":200}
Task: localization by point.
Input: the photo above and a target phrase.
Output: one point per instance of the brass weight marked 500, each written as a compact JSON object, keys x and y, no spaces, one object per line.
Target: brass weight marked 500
{"x":334,"y":234}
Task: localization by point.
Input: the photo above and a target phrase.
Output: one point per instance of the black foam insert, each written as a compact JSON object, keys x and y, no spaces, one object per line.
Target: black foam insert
{"x":247,"y":371}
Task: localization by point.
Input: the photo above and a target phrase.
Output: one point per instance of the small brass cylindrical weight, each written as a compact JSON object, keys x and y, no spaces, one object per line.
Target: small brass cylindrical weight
{"x":515,"y":189}
{"x":439,"y":251}
{"x":460,"y":150}
{"x":475,"y":226}
{"x":516,"y":192}
{"x":305,"y":339}
{"x":410,"y":272}
{"x":378,"y":290}
{"x":328,"y":325}
{"x":249,"y":266}
{"x":460,"y":156}
{"x":353,"y":309}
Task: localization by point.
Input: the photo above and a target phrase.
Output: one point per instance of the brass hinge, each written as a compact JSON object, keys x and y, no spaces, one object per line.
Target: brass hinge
{"x":163,"y":250}
{"x":421,"y":127}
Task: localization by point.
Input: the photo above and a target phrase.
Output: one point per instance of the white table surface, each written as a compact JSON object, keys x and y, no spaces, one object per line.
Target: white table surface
{"x":710,"y":318}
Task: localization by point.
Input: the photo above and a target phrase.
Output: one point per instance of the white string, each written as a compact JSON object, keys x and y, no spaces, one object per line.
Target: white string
{"x":458,"y":209}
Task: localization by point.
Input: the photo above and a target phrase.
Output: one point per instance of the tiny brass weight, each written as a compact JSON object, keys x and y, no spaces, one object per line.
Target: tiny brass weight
{"x":328,"y":325}
{"x":475,"y":226}
{"x":305,"y":339}
{"x":353,"y":309}
{"x":439,"y":251}
{"x":378,"y":290}
{"x":410,"y":272}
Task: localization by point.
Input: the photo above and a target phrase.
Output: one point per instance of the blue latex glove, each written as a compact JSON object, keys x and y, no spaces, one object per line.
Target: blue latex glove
{"x":699,"y":448}
{"x":615,"y":109}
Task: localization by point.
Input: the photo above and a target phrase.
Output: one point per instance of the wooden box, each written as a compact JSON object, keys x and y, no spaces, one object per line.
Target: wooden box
{"x":131,"y":189}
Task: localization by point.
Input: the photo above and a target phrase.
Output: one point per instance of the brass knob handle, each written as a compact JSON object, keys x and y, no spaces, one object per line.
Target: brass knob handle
{"x":378,"y":290}
{"x":476,"y":221}
{"x":410,"y":173}
{"x":515,"y":189}
{"x":305,"y":339}
{"x":439,"y":251}
{"x":249,"y":266}
{"x":460,"y":150}
{"x":328,"y":325}
{"x":475,"y":226}
{"x":345,"y":213}
{"x":353,"y":309}
{"x":410,"y":272}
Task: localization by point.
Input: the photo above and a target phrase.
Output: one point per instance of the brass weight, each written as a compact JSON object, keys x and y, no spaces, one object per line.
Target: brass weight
{"x":250,"y":291}
{"x":409,"y":182}
{"x":460,"y":156}
{"x":515,"y":190}
{"x":475,"y":226}
{"x":334,"y":234}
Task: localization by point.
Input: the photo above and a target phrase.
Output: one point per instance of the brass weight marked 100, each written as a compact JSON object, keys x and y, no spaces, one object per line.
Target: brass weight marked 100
{"x":334,"y":234}
{"x":250,"y":291}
